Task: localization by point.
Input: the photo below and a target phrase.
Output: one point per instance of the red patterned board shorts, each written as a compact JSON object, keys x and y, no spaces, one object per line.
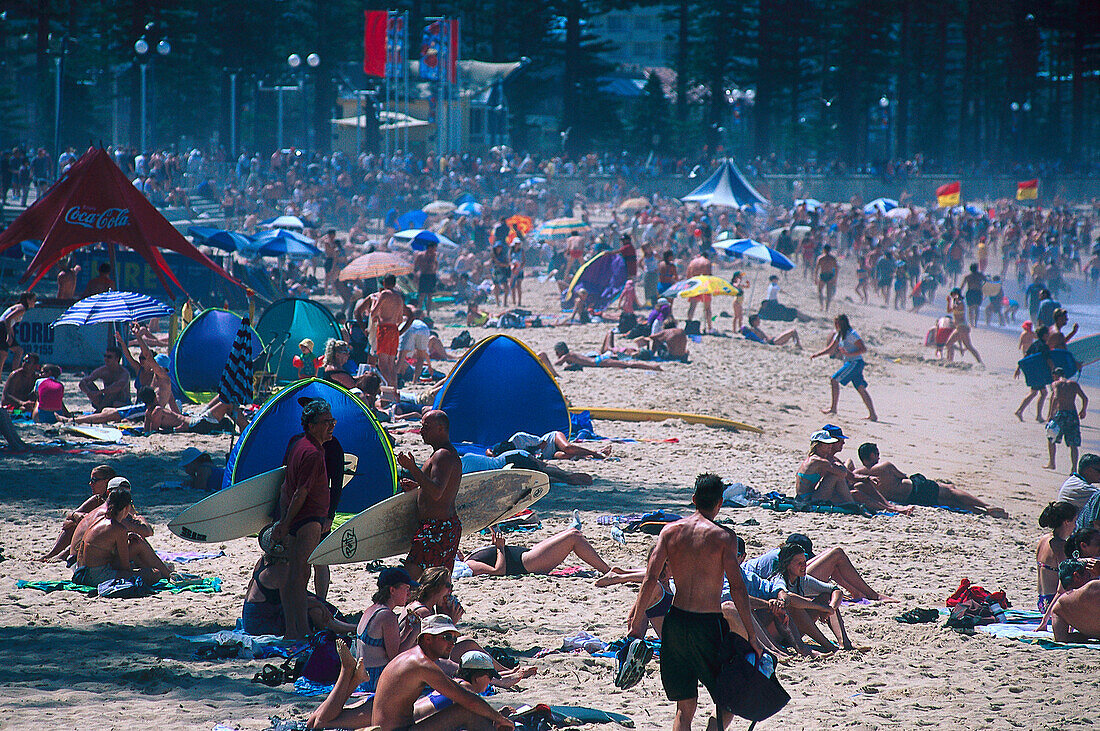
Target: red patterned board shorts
{"x":436,"y":543}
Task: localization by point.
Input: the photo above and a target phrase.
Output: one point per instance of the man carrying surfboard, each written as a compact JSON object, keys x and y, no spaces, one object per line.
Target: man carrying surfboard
{"x":436,"y":540}
{"x":303,"y":504}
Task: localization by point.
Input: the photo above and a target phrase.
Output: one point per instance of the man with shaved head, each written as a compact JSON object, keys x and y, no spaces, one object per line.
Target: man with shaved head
{"x":436,"y":484}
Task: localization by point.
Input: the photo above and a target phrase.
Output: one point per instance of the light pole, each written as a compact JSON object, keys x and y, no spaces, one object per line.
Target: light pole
{"x":1016,"y":108}
{"x":141,"y":47}
{"x":884,"y":105}
{"x":294,"y":61}
{"x":233,"y":114}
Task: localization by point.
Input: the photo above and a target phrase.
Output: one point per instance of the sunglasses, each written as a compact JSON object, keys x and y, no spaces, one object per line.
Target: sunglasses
{"x":451,"y":637}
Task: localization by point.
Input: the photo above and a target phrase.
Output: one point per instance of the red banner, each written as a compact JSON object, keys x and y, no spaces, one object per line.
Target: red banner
{"x":374,"y":42}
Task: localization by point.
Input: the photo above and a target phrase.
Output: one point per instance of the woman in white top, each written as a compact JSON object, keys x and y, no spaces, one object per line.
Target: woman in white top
{"x":849,"y":345}
{"x":808,"y":600}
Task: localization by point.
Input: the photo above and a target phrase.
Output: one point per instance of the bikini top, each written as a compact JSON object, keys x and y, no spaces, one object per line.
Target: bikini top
{"x":662,"y":605}
{"x":365,"y":638}
{"x":271,"y":596}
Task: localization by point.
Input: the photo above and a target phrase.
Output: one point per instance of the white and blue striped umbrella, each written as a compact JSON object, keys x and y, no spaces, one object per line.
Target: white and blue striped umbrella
{"x":880,"y":205}
{"x":469,"y":208}
{"x":755,"y":250}
{"x":114,"y":307}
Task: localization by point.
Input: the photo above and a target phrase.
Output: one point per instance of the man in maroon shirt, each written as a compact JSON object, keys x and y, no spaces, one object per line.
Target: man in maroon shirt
{"x":630,"y":256}
{"x":303,"y":509}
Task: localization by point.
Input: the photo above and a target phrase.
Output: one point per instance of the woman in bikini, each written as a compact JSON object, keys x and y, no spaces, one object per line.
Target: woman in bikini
{"x":956,"y":307}
{"x":821,"y":476}
{"x":380,"y":636}
{"x":542,"y":558}
{"x":1060,"y":519}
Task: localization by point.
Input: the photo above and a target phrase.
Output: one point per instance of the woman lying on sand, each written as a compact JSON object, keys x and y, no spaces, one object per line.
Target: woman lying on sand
{"x":542,"y":558}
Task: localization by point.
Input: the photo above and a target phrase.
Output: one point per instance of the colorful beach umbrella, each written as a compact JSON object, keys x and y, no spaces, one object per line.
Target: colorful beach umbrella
{"x":376,"y":264}
{"x":521,"y":222}
{"x":114,"y":307}
{"x":755,"y":250}
{"x":634,"y":204}
{"x":701,"y":285}
{"x":558,"y":229}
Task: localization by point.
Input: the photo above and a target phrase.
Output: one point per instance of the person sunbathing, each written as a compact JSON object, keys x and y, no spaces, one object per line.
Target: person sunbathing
{"x":1076,"y":613}
{"x":101,"y":475}
{"x":474,"y":462}
{"x":599,"y":360}
{"x":381,"y":635}
{"x":916,"y":489}
{"x":823,"y":479}
{"x":1060,"y":519}
{"x":141,"y":411}
{"x":500,"y":559}
{"x":754,"y":328}
{"x":552,"y":445}
{"x":106,"y":550}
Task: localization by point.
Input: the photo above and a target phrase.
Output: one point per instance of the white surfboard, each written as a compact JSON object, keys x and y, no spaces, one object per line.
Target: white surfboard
{"x":386,"y":529}
{"x":96,"y":432}
{"x":239,"y":510}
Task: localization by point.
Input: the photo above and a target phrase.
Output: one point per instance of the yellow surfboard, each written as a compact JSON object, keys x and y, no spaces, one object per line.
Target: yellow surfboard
{"x":651,"y":415}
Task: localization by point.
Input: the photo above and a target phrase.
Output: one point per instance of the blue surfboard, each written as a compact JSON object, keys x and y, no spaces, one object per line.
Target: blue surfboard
{"x":1036,"y":369}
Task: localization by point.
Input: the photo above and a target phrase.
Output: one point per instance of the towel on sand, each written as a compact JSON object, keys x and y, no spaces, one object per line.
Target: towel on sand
{"x":208,"y":586}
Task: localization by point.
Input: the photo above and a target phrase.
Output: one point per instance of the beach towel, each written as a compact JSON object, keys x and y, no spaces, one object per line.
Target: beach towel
{"x":207,"y":586}
{"x":578,"y":715}
{"x":186,"y":556}
{"x":1022,"y":625}
{"x":578,"y":571}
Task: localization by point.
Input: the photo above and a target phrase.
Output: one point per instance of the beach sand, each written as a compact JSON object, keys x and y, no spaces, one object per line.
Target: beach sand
{"x":69,"y":662}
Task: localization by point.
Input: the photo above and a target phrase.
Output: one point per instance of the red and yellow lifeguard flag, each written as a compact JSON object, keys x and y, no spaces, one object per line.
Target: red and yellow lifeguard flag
{"x":948,"y":195}
{"x":1028,"y":190}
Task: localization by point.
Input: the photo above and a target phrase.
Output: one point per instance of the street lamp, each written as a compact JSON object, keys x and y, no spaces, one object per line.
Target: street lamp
{"x":294,"y":61}
{"x":884,"y":105}
{"x":141,"y":47}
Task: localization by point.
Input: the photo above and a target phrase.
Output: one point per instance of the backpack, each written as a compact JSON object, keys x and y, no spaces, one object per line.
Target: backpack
{"x":130,"y":588}
{"x":462,"y":340}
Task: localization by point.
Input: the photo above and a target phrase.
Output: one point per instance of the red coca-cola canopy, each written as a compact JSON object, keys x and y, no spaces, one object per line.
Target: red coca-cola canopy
{"x":95,"y":203}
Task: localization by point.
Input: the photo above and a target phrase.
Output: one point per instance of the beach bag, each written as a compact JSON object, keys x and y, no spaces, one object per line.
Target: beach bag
{"x":741,"y":688}
{"x":462,"y":340}
{"x":692,"y":327}
{"x":627,"y":322}
{"x":132,"y":588}
{"x":322,"y":666}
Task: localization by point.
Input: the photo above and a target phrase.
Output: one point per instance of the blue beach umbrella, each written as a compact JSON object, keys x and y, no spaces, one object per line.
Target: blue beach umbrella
{"x":419,"y":238}
{"x":114,"y":307}
{"x":412,"y":219}
{"x":469,"y":208}
{"x":281,"y":242}
{"x":219,"y":238}
{"x":755,"y":250}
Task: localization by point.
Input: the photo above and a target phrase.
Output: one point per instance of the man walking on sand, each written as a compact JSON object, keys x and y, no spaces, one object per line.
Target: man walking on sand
{"x":387,"y":313}
{"x":825,"y":268}
{"x":698,"y":552}
{"x":1063,"y":419}
{"x":436,"y":484}
{"x":698,"y":267}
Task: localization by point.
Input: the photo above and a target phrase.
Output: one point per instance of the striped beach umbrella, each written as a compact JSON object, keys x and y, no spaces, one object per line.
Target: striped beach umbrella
{"x":235,"y":386}
{"x":561,"y":228}
{"x":114,"y":307}
{"x":376,"y":264}
{"x":755,"y":250}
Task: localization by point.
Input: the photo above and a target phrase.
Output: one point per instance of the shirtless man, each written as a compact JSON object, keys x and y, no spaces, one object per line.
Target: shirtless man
{"x":425,"y":266}
{"x":66,"y":281}
{"x":107,"y":550}
{"x":19,"y":388}
{"x":150,"y":373}
{"x":780,"y":339}
{"x":100,"y":283}
{"x":1056,"y":339}
{"x":825,"y":269}
{"x":698,"y":553}
{"x":898,"y":487}
{"x":139,"y":527}
{"x":699,"y":266}
{"x":116,"y":382}
{"x":387,"y":313}
{"x":436,"y":484}
{"x":603,"y":360}
{"x":101,"y":475}
{"x":1063,"y":413}
{"x":1077,"y":609}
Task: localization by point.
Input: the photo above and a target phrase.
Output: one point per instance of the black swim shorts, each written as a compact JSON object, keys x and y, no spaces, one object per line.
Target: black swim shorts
{"x":691,"y":652}
{"x":924,"y":492}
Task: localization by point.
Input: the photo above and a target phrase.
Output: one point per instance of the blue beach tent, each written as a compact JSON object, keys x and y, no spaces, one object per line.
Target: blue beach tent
{"x":285,"y":323}
{"x":263,"y":442}
{"x":201,"y":350}
{"x":725,"y":187}
{"x":497,"y":389}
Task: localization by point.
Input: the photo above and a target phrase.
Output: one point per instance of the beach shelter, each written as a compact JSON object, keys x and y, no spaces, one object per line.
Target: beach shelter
{"x":263,"y":442}
{"x":202,"y":349}
{"x":498,"y":388}
{"x":95,"y":203}
{"x":285,"y":323}
{"x":603,"y":276}
{"x":725,"y":187}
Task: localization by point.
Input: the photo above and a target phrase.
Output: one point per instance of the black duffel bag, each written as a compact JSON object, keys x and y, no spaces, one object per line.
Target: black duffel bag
{"x":742,"y":689}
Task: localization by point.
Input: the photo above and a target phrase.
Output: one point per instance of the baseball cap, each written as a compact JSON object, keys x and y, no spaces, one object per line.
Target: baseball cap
{"x":834,"y":430}
{"x":824,"y":437}
{"x":437,"y":624}
{"x":477,"y":660}
{"x":118,"y":482}
{"x":395,"y":575}
{"x":802,"y":541}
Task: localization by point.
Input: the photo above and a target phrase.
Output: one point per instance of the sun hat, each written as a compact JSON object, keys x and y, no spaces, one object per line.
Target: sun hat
{"x":823,"y":437}
{"x":834,"y":430}
{"x":306,"y":342}
{"x":437,"y":624}
{"x":189,"y":455}
{"x":477,"y":660}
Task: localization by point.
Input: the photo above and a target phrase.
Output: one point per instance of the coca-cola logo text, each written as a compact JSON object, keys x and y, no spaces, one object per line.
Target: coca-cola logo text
{"x":99,"y":220}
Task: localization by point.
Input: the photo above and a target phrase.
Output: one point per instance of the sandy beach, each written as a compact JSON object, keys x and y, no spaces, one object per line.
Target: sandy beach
{"x":69,"y":662}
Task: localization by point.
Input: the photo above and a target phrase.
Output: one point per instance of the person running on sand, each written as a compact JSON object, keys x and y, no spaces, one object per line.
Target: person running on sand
{"x":780,"y":339}
{"x":699,"y":553}
{"x":436,"y":540}
{"x":1064,"y":420}
{"x":825,"y":271}
{"x":100,"y":476}
{"x":1037,"y":344}
{"x":916,"y":489}
{"x":849,"y":345}
{"x":601,"y":360}
{"x":381,"y":635}
{"x":1060,"y":519}
{"x":107,"y":550}
{"x":808,"y":600}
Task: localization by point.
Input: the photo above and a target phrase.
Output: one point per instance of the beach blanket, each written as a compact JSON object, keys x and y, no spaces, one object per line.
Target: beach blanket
{"x":207,"y":586}
{"x":579,"y":571}
{"x":187,"y":556}
{"x":1022,"y":625}
{"x":251,"y":646}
